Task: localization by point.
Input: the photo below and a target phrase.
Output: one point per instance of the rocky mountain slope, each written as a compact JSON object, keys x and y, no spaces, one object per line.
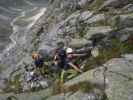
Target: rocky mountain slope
{"x":75,"y":22}
{"x":12,"y":10}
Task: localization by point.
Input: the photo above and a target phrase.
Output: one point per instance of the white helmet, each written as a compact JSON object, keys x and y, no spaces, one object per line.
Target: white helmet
{"x":69,"y":50}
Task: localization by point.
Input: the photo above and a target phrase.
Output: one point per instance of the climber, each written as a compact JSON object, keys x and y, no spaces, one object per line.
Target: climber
{"x":61,"y":60}
{"x":39,"y":62}
{"x":72,"y":55}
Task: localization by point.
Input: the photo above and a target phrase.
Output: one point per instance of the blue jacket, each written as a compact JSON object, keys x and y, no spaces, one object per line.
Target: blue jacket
{"x":39,"y":62}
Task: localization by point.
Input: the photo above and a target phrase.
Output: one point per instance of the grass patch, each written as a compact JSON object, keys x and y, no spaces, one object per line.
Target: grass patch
{"x":123,"y":47}
{"x":82,"y":86}
{"x":116,"y":50}
{"x":86,"y":86}
{"x":83,"y":29}
{"x":1,"y":68}
{"x":100,"y":23}
{"x":115,"y":22}
{"x":16,"y":84}
{"x":57,"y":87}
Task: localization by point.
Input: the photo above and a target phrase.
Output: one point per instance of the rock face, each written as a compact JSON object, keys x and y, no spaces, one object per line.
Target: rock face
{"x":75,"y":22}
{"x":28,"y":96}
{"x":116,"y":3}
{"x":95,"y":30}
{"x":67,"y":21}
{"x":120,"y":79}
{"x":76,"y":96}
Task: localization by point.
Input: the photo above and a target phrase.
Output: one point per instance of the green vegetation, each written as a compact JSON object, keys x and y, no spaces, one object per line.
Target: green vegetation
{"x":45,"y":98}
{"x":100,"y":23}
{"x":51,"y":19}
{"x":1,"y":68}
{"x":115,"y":22}
{"x":131,"y":1}
{"x":16,"y":83}
{"x":57,"y":87}
{"x":96,"y":5}
{"x":123,"y":47}
{"x":12,"y":98}
{"x":83,"y":29}
{"x":82,"y":86}
{"x":86,"y":86}
{"x":116,"y":50}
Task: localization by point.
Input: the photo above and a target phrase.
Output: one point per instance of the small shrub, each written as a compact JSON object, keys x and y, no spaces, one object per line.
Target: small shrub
{"x":86,"y":86}
{"x":100,"y":23}
{"x":57,"y":87}
{"x":83,"y":29}
{"x":116,"y":50}
{"x":123,"y":47}
{"x":83,"y":86}
{"x":115,"y":22}
{"x":16,"y":83}
{"x":11,"y":98}
{"x":2,"y":67}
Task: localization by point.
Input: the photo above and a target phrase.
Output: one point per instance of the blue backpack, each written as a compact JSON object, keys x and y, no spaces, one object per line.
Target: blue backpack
{"x":62,"y":54}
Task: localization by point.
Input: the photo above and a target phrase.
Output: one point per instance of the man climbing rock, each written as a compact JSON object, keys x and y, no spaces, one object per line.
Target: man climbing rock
{"x":72,"y":55}
{"x":61,"y":60}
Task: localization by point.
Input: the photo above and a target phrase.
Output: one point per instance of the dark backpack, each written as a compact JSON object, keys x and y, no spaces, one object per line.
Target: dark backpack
{"x":62,"y":54}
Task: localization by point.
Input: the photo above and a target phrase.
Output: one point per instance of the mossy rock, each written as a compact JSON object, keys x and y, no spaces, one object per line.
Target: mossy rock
{"x":16,"y":83}
{"x":115,"y":51}
{"x":96,"y":5}
{"x":1,"y":68}
{"x":115,"y":22}
{"x":86,"y":87}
